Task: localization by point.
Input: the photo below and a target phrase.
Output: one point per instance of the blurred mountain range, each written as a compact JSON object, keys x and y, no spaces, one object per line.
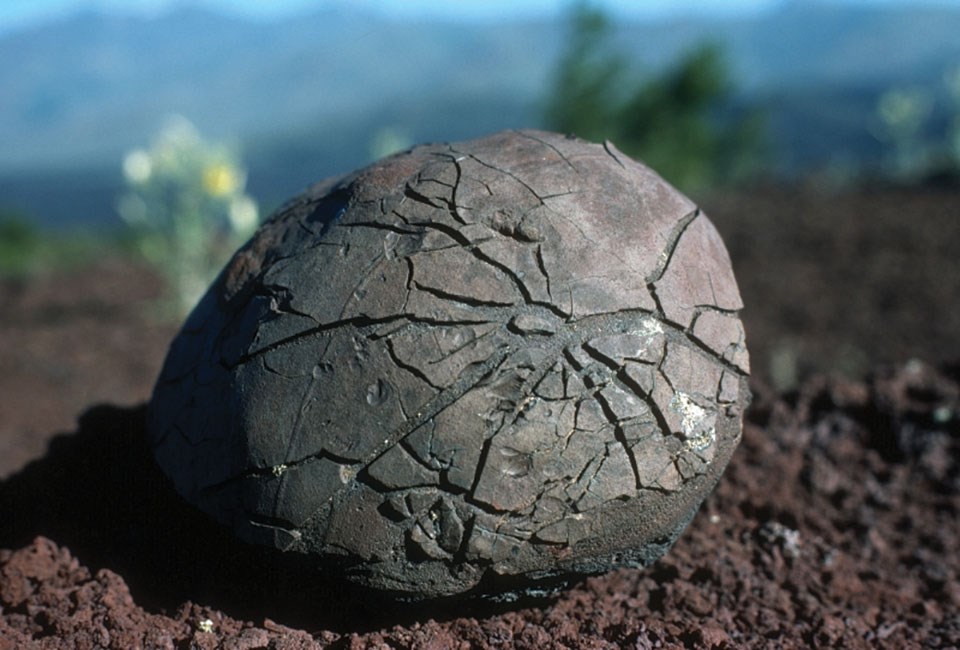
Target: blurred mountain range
{"x":307,"y":97}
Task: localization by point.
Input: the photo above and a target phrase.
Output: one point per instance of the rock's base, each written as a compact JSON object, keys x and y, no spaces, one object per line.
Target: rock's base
{"x":834,"y":525}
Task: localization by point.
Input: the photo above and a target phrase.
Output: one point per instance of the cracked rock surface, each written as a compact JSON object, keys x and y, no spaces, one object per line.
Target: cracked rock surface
{"x":478,"y":367}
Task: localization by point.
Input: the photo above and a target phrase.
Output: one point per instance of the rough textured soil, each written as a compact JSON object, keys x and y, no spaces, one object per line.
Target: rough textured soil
{"x":835,"y":524}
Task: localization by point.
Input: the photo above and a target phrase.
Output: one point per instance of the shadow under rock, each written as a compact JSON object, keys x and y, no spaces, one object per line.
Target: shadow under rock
{"x":98,"y":492}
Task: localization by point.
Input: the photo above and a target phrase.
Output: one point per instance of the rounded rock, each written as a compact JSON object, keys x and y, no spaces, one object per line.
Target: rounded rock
{"x":469,"y":368}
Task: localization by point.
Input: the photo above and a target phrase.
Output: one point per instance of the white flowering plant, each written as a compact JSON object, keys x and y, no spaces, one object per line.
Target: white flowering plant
{"x":186,"y":205}
{"x":905,"y":123}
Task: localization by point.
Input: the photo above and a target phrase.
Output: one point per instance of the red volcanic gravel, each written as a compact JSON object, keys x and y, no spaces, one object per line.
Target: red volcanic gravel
{"x":835,"y":524}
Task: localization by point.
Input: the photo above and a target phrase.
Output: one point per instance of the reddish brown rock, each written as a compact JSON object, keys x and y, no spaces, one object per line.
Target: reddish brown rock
{"x":485,"y":366}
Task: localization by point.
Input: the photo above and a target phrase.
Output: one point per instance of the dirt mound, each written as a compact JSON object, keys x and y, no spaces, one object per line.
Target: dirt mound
{"x":835,"y":525}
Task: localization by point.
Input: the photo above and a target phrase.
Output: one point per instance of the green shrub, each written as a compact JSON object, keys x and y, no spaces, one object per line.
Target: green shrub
{"x":682,"y":123}
{"x":27,"y":251}
{"x":19,"y":245}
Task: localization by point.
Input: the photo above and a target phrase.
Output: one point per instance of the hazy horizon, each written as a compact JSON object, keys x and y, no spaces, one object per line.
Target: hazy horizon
{"x":308,"y":98}
{"x":17,"y":15}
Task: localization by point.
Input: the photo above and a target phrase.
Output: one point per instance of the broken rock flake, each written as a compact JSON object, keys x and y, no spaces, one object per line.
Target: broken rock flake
{"x":470,"y":368}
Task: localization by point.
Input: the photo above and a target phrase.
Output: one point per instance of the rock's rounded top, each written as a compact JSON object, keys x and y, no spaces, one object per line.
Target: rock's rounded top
{"x":469,"y":367}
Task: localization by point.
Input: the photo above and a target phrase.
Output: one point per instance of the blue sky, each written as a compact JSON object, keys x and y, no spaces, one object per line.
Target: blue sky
{"x":15,"y":14}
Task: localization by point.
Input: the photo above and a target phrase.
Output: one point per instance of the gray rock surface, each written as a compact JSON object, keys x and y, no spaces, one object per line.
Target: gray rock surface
{"x":472,"y":367}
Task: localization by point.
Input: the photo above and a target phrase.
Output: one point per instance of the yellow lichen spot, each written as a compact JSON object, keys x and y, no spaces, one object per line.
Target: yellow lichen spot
{"x":697,"y":424}
{"x":347,"y":474}
{"x":221,"y":180}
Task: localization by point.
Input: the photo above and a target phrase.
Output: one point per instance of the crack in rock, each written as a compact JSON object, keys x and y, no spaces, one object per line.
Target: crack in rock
{"x":470,"y":367}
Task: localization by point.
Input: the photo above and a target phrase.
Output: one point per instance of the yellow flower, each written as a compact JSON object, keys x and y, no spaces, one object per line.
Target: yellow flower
{"x":221,"y":180}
